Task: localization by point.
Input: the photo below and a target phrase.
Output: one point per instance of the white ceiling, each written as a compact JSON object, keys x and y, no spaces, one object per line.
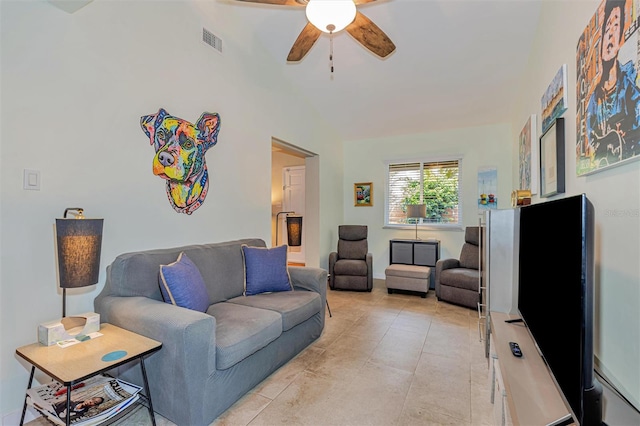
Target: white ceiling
{"x":456,"y":63}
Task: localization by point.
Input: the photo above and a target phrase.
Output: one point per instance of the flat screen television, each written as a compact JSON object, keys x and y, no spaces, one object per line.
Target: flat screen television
{"x":555,"y":296}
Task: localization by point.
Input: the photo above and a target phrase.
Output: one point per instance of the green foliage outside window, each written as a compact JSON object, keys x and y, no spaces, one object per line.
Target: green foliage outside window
{"x":440,"y":195}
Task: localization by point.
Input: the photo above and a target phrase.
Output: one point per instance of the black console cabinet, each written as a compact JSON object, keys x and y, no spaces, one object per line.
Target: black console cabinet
{"x":415,"y":252}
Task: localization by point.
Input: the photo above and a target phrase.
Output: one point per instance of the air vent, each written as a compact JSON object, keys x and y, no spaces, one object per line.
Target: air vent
{"x":212,"y":40}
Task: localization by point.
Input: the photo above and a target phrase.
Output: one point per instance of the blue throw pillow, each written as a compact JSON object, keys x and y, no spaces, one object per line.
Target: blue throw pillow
{"x":182,"y":284}
{"x":265,"y":270}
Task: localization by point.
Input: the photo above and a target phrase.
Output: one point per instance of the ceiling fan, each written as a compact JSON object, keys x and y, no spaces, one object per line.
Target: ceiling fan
{"x":331,"y":16}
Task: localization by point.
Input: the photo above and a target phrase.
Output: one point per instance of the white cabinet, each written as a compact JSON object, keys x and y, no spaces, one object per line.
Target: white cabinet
{"x":501,"y":254}
{"x":524,"y":392}
{"x":500,"y":264}
{"x":501,"y":412}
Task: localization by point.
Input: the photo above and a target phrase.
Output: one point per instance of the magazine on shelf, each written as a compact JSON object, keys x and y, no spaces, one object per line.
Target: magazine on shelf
{"x":53,"y":417}
{"x":92,"y":401}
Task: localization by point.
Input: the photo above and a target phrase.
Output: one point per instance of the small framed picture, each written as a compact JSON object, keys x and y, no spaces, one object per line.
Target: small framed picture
{"x":363,"y":194}
{"x":552,"y":160}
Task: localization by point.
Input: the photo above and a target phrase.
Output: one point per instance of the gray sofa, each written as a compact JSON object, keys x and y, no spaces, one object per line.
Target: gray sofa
{"x":209,"y":360}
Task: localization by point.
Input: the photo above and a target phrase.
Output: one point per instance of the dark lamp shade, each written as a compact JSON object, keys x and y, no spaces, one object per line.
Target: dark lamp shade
{"x":294,"y":230}
{"x":79,"y":242}
{"x":416,"y":210}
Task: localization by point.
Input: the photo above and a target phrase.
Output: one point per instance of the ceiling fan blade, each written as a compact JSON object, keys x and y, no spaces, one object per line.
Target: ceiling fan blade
{"x":303,"y":43}
{"x":370,"y":36}
{"x":277,"y":2}
{"x":358,"y":2}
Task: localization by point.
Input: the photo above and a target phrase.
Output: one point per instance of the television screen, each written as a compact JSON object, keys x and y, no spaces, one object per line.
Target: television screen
{"x":555,"y":292}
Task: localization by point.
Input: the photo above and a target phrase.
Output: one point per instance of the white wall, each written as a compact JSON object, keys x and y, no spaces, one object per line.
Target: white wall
{"x":74,"y":87}
{"x":615,"y":194}
{"x":365,"y":162}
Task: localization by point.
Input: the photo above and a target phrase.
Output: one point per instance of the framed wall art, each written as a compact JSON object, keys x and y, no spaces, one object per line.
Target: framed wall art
{"x":552,"y":160}
{"x":528,"y":156}
{"x":363,"y":194}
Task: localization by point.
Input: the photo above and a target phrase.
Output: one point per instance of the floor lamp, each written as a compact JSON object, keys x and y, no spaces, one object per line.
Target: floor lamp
{"x":416,"y":211}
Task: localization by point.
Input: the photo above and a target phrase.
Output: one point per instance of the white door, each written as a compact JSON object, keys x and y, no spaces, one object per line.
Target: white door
{"x":293,"y":200}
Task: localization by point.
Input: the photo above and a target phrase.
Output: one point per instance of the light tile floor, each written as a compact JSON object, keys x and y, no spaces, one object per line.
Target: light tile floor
{"x":382,"y":360}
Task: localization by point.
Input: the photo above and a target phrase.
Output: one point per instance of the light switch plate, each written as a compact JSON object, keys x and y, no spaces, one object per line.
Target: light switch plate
{"x":31,"y":180}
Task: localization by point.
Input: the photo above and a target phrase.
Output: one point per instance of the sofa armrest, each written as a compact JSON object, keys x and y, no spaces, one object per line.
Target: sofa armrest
{"x":310,"y":279}
{"x":369,"y":260}
{"x":307,"y":278}
{"x":188,"y":337}
{"x":447,"y":264}
{"x":441,"y":265}
{"x":333,"y":258}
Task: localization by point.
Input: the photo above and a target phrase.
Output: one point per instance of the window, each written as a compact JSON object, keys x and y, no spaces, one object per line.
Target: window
{"x":434,"y":183}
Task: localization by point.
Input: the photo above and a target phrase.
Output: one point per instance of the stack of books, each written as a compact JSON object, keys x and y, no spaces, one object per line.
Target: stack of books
{"x":92,"y":401}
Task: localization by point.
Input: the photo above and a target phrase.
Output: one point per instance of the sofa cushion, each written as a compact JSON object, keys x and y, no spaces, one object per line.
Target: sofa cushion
{"x":265,"y":270}
{"x":294,"y":306}
{"x":350,"y":267}
{"x":461,"y":278}
{"x":181,"y":284}
{"x":408,"y":271}
{"x":242,"y":331}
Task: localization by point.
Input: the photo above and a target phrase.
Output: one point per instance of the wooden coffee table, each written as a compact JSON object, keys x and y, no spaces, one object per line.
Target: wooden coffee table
{"x":73,"y":364}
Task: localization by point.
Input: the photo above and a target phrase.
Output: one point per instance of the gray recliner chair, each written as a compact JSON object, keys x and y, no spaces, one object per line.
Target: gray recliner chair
{"x":351,"y":267}
{"x":458,"y":280}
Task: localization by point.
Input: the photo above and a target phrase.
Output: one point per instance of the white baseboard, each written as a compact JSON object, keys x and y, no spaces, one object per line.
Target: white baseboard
{"x":619,"y":387}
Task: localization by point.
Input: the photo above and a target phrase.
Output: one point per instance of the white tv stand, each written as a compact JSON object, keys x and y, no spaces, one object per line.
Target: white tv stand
{"x":523,"y":389}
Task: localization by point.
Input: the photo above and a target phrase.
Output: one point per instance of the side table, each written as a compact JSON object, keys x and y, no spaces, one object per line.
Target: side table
{"x":73,"y":364}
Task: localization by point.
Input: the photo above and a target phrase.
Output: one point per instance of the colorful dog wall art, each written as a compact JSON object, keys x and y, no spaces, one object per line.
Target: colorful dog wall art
{"x":180,"y":148}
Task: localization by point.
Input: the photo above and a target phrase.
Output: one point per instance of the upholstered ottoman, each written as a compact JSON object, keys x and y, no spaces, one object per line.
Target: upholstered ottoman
{"x":407,"y":277}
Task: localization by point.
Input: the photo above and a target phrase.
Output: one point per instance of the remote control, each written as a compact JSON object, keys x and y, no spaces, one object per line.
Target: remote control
{"x":515,"y":349}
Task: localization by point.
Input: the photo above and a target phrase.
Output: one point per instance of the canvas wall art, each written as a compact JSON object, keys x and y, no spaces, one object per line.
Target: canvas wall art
{"x":554,"y":101}
{"x":607,"y":92}
{"x":180,"y":147}
{"x":487,"y":188}
{"x":528,"y":156}
{"x":552,"y":177}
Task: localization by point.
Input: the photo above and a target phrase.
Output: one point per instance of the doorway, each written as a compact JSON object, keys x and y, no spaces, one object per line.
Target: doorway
{"x":295,"y":188}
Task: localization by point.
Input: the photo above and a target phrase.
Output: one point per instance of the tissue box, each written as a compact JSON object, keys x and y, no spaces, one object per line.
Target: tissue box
{"x":68,"y":328}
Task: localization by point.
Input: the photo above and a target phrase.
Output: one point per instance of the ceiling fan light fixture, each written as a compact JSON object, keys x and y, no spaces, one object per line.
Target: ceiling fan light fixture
{"x":331,"y":16}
